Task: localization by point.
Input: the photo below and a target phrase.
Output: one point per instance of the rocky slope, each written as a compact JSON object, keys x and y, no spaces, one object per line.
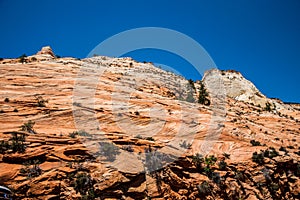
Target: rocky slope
{"x":113,"y":128}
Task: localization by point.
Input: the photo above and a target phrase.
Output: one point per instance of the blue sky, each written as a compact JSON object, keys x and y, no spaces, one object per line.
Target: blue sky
{"x":259,"y":38}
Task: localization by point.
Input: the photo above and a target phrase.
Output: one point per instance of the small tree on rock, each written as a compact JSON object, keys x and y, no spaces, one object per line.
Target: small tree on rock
{"x":203,"y":95}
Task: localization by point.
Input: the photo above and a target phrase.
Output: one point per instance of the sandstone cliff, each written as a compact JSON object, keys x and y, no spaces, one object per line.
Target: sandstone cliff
{"x":113,"y":128}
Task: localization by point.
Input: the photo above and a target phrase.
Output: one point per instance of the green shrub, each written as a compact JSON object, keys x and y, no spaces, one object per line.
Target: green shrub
{"x":283,"y":149}
{"x":28,"y":127}
{"x":222,"y":165}
{"x":268,"y":107}
{"x":15,"y":144}
{"x":185,"y":145}
{"x":198,"y":160}
{"x":150,"y":139}
{"x":210,"y":160}
{"x":79,"y":133}
{"x":270,"y":153}
{"x":191,"y":83}
{"x":31,"y":169}
{"x":154,"y":159}
{"x":84,"y":185}
{"x":4,"y":146}
{"x":226,"y":155}
{"x":239,"y":175}
{"x":138,"y":136}
{"x":40,"y":101}
{"x":258,"y":158}
{"x":255,"y":143}
{"x":204,"y":189}
{"x":128,"y":148}
{"x":216,"y":177}
{"x":73,"y":134}
{"x":109,"y":150}
{"x":22,"y":58}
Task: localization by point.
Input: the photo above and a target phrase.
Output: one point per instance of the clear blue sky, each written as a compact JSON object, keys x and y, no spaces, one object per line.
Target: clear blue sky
{"x":259,"y":38}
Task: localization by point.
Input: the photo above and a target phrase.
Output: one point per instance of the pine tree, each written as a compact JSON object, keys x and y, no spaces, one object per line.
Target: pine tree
{"x":203,"y":95}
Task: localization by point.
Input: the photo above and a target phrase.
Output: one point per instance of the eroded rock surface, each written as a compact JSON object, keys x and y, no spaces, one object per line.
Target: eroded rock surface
{"x":113,"y":128}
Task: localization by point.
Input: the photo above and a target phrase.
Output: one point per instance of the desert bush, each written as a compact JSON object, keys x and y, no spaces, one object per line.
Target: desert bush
{"x":84,"y":185}
{"x":138,"y":136}
{"x":204,"y":189}
{"x":4,"y":146}
{"x":22,"y":58}
{"x":128,"y":148}
{"x":28,"y":127}
{"x":79,"y":133}
{"x":77,"y":104}
{"x":73,"y":134}
{"x":283,"y":149}
{"x":185,"y":145}
{"x":83,"y":133}
{"x":6,"y":100}
{"x":16,"y":110}
{"x":226,"y":155}
{"x":258,"y":158}
{"x":255,"y":143}
{"x":270,"y":152}
{"x":198,"y":159}
{"x":216,"y":177}
{"x":222,"y":165}
{"x":41,"y":102}
{"x":109,"y":150}
{"x":15,"y":144}
{"x":239,"y":176}
{"x":191,"y":83}
{"x":210,"y":160}
{"x":31,"y":169}
{"x":154,"y":159}
{"x":150,"y":139}
{"x":268,"y":107}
